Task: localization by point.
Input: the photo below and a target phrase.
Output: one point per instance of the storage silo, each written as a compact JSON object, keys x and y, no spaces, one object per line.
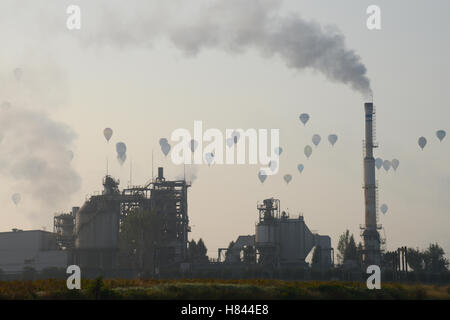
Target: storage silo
{"x":97,"y":228}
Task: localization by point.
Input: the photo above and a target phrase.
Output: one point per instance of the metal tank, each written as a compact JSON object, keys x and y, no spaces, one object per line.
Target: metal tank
{"x":296,"y":240}
{"x":97,"y":228}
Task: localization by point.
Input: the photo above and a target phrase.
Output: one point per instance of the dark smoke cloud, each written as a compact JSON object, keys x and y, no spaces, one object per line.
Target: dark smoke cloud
{"x":234,"y":26}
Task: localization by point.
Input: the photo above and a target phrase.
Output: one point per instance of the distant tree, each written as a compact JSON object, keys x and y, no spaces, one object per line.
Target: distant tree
{"x":351,"y":252}
{"x":140,"y":235}
{"x":201,"y":251}
{"x":434,"y":258}
{"x":387,"y":259}
{"x":360,"y":253}
{"x":228,"y":252}
{"x":197,"y":251}
{"x":346,"y":247}
{"x":192,"y":250}
{"x":415,"y":259}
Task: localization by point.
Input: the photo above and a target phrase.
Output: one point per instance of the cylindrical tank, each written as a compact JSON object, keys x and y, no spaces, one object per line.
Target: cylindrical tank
{"x":97,"y":224}
{"x":265,"y":234}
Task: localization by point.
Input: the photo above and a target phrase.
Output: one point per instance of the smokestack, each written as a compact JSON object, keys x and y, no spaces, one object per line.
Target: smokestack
{"x":371,"y":236}
{"x":160,"y":173}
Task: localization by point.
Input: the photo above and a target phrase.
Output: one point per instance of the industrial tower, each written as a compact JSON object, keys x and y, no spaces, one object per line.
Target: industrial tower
{"x":372,"y":252}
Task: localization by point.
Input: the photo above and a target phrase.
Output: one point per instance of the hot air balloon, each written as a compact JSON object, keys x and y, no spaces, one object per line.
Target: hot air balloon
{"x":378,"y":163}
{"x":287,"y":178}
{"x":316,"y":139}
{"x":332,"y":138}
{"x":384,"y":208}
{"x":304,"y":117}
{"x":422,"y":142}
{"x":273,"y":165}
{"x":121,"y":150}
{"x":16,"y":198}
{"x":300,"y":168}
{"x":107,"y":133}
{"x":262,"y":176}
{"x":209,"y":157}
{"x":278,"y":150}
{"x":121,"y":158}
{"x":308,"y":151}
{"x":395,"y":163}
{"x":386,"y":165}
{"x":441,"y":134}
{"x":235,"y":135}
{"x":163,"y":141}
{"x":165,"y":148}
{"x":193,"y":145}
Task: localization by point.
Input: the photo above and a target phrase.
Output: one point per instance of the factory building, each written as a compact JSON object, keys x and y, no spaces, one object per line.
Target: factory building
{"x":97,"y":222}
{"x":35,"y":249}
{"x":279,"y":241}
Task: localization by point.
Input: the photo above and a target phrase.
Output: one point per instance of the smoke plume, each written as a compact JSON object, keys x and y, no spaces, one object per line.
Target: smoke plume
{"x":35,"y":152}
{"x":234,"y":26}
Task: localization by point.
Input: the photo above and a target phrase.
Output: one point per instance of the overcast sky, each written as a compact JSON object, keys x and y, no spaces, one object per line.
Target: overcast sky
{"x":133,"y":67}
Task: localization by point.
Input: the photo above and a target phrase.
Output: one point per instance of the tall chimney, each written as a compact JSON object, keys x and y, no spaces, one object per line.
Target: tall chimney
{"x":372,"y":254}
{"x":160,"y":173}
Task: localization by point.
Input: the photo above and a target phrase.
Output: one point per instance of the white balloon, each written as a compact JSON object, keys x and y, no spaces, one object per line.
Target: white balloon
{"x":121,"y":148}
{"x":422,"y":142}
{"x":441,"y":134}
{"x":16,"y":198}
{"x":121,"y":157}
{"x":395,"y":163}
{"x":316,"y":139}
{"x":193,"y":145}
{"x":107,"y":133}
{"x":378,"y":163}
{"x":262,"y":176}
{"x":332,"y":138}
{"x":163,"y":141}
{"x":386,"y":165}
{"x":235,"y":135}
{"x":165,"y":148}
{"x":308,"y":151}
{"x":287,"y":178}
{"x":278,"y":151}
{"x":273,"y":165}
{"x":304,"y":117}
{"x":209,"y":157}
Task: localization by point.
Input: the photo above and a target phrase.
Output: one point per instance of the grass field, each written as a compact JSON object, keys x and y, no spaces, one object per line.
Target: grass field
{"x":216,"y":289}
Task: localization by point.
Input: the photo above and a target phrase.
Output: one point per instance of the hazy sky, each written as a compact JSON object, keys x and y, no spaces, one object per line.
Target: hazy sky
{"x":122,"y":71}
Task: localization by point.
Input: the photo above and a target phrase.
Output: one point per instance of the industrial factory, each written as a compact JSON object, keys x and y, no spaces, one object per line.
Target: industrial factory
{"x":144,"y":230}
